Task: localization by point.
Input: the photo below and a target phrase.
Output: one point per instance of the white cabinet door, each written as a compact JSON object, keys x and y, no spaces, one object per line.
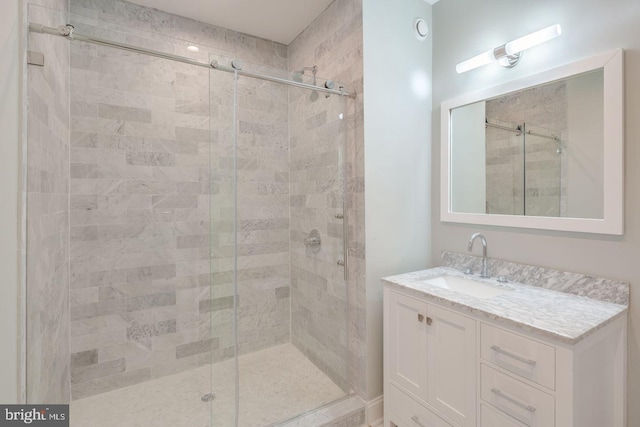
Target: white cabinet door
{"x":407,"y":343}
{"x":452,"y":365}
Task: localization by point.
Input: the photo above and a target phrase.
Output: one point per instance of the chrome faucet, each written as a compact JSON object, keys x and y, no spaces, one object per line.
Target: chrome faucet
{"x":484,"y":252}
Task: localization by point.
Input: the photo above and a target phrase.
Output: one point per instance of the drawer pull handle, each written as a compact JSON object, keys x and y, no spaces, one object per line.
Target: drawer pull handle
{"x":416,"y":420}
{"x":506,"y":397}
{"x":498,"y":349}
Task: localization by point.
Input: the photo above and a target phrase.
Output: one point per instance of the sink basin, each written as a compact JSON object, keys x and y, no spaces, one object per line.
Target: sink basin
{"x":466,"y":286}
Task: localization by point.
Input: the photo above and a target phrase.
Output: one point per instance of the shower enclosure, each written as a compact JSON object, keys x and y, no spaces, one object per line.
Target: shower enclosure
{"x":186,"y":228}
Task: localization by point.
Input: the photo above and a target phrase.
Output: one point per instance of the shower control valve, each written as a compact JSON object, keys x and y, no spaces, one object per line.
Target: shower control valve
{"x":314,"y":241}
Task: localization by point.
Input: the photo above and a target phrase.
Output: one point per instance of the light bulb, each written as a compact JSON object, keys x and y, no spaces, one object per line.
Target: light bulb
{"x":475,"y":62}
{"x":530,"y":40}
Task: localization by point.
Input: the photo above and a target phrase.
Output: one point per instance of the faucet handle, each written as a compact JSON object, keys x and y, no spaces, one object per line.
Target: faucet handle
{"x":468,"y":270}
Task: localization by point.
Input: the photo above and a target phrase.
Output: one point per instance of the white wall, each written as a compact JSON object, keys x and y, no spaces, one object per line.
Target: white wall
{"x":468,"y":159}
{"x":9,"y":190}
{"x":397,"y":128}
{"x":463,"y":28}
{"x":585,"y":167}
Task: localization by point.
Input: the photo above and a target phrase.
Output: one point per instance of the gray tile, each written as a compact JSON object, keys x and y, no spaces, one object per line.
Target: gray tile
{"x":216,"y":304}
{"x":124,"y":113}
{"x":316,"y":120}
{"x":154,"y":272}
{"x":103,"y":308}
{"x":189,"y":188}
{"x":150,"y":187}
{"x":84,"y":358}
{"x":136,"y":332}
{"x":150,"y":159}
{"x":195,"y":241}
{"x":264,"y":224}
{"x":282,"y":292}
{"x":84,"y":233}
{"x":85,"y":170}
{"x":181,"y":201}
{"x":99,"y":278}
{"x":149,"y":301}
{"x":192,"y":135}
{"x":197,"y":347}
{"x":83,"y":202}
{"x":91,"y":372}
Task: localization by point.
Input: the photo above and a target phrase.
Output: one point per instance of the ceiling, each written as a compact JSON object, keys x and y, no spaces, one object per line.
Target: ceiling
{"x":277,"y":20}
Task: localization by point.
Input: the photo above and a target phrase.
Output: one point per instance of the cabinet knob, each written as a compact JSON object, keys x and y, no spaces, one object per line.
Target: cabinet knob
{"x":420,"y":317}
{"x":429,"y":321}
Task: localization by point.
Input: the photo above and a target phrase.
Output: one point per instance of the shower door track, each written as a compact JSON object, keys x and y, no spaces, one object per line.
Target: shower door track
{"x":67,"y":32}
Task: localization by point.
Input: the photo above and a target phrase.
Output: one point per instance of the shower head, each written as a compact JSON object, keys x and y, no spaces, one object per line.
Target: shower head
{"x":297,"y":75}
{"x":313,"y":70}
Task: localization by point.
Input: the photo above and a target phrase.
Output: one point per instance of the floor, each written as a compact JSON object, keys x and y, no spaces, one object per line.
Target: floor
{"x":275,"y":384}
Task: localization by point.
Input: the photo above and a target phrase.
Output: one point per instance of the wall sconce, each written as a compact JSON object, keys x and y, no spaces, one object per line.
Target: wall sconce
{"x":509,"y":54}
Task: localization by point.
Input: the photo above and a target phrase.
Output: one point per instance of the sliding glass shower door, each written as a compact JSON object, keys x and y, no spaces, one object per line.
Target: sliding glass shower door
{"x":277,"y":171}
{"x":188,"y":223}
{"x":221,"y":304}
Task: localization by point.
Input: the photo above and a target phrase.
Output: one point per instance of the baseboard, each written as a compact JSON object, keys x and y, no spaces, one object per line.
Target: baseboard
{"x":375,"y":412}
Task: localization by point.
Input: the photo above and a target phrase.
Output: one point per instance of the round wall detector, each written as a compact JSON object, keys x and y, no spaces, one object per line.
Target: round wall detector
{"x":420,"y":28}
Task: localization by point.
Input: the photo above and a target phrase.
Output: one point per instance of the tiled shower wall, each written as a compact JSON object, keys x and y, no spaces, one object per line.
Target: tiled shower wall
{"x":546,"y":107}
{"x":47,"y":190}
{"x":141,"y":305}
{"x":333,"y":42}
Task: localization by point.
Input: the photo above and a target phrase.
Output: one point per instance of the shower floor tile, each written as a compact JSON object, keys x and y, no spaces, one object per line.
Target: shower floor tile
{"x":275,"y":384}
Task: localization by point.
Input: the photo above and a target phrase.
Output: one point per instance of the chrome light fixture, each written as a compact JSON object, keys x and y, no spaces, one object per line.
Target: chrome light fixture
{"x":509,"y":54}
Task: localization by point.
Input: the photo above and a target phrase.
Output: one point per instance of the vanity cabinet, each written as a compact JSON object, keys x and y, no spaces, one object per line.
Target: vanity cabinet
{"x":431,"y":357}
{"x":447,"y":368}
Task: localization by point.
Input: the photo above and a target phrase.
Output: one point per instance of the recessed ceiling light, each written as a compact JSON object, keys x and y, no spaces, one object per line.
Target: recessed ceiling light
{"x":193,"y":48}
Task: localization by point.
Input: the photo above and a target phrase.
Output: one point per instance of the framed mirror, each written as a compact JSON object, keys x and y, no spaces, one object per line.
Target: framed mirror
{"x":544,"y":152}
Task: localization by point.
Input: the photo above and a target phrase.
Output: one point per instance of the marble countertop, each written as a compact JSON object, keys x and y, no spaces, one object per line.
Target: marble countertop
{"x":556,"y":315}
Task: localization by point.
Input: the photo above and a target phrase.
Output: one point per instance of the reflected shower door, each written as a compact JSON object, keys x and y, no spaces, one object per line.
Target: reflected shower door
{"x":504,"y":168}
{"x":543,"y":171}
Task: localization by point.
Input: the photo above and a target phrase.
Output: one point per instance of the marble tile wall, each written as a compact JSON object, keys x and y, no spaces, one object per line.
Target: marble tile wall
{"x":47,"y":191}
{"x":145,"y":205}
{"x":535,"y":185}
{"x":263,"y":218}
{"x":321,"y":303}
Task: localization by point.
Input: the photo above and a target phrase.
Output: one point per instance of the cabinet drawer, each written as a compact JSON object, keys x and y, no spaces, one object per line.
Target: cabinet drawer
{"x":406,"y":412}
{"x":523,"y":402}
{"x":491,"y":418}
{"x":522,"y":356}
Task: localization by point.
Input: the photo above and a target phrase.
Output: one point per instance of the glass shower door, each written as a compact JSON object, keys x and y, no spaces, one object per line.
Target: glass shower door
{"x":280,"y":186}
{"x":222,"y":302}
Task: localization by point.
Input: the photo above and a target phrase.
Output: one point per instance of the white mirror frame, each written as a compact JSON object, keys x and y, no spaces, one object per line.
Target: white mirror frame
{"x":613,"y":221}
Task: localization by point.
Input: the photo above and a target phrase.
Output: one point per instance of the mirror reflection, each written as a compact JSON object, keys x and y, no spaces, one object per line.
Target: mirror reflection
{"x":535,"y":152}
